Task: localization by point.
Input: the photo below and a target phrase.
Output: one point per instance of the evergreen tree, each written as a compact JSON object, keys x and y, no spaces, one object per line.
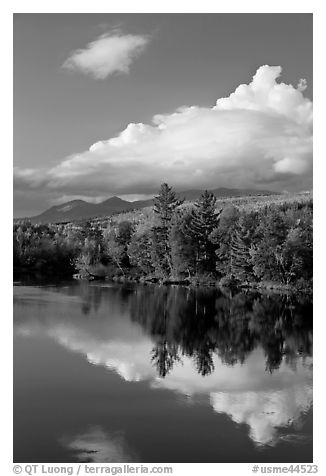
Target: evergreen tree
{"x":182,"y":246}
{"x":222,"y":238}
{"x":240,"y":260}
{"x":165,"y":205}
{"x":204,"y":219}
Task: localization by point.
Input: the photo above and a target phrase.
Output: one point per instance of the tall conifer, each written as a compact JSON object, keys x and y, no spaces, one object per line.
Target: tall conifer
{"x":165,"y":205}
{"x":204,"y":219}
{"x":240,"y":259}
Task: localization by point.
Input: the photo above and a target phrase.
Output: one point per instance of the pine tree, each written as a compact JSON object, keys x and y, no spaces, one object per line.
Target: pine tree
{"x":222,"y":238}
{"x":240,"y":259}
{"x":204,"y":219}
{"x":182,"y":246}
{"x":165,"y":205}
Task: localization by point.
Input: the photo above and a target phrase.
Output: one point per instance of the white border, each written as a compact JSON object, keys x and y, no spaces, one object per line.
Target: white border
{"x":168,"y":6}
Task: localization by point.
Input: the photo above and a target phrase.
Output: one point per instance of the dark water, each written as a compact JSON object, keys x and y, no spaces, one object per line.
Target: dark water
{"x":154,"y":374}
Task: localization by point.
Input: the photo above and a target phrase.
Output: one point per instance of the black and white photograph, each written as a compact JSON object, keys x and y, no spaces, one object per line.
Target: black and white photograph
{"x":162,"y":241}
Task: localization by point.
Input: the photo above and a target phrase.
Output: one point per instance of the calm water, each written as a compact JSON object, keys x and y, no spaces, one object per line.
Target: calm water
{"x":154,"y":374}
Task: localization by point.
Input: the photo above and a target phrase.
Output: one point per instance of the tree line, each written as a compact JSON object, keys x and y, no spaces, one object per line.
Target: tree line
{"x":196,"y":243}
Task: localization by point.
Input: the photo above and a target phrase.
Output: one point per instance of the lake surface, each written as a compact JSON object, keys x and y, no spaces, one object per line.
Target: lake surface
{"x":112,"y":373}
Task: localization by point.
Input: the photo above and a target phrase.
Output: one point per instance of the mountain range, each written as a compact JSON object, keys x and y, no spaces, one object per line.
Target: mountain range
{"x":80,"y":209}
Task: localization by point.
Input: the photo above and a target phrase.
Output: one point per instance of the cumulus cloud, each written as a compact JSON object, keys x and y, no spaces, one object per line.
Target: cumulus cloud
{"x":260,"y":136}
{"x":110,"y":53}
{"x":267,"y":96}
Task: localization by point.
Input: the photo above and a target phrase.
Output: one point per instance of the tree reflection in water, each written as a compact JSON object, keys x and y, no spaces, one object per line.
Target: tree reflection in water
{"x":179,"y":335}
{"x":202,"y":322}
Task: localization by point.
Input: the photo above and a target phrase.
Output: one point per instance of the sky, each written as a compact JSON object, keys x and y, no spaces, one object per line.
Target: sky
{"x":116,"y":104}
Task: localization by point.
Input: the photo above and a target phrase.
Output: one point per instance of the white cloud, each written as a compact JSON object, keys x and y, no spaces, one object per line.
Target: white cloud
{"x":302,"y":84}
{"x":267,"y":96}
{"x":110,"y":53}
{"x":67,"y":198}
{"x":260,"y":136}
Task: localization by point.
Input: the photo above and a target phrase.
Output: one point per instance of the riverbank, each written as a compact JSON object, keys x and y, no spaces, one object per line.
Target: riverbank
{"x":266,"y":286}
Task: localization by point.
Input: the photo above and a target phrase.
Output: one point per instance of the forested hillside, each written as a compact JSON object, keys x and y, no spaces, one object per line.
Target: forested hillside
{"x":244,"y":241}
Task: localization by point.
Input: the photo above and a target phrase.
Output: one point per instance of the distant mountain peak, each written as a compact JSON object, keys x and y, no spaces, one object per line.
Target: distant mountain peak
{"x":115,"y":199}
{"x":80,"y":209}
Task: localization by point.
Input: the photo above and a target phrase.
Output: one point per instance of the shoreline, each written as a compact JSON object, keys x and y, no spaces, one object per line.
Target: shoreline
{"x":272,"y":287}
{"x":192,"y":283}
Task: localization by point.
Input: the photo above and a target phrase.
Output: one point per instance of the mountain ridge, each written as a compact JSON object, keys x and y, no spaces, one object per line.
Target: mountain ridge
{"x":75,"y":210}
